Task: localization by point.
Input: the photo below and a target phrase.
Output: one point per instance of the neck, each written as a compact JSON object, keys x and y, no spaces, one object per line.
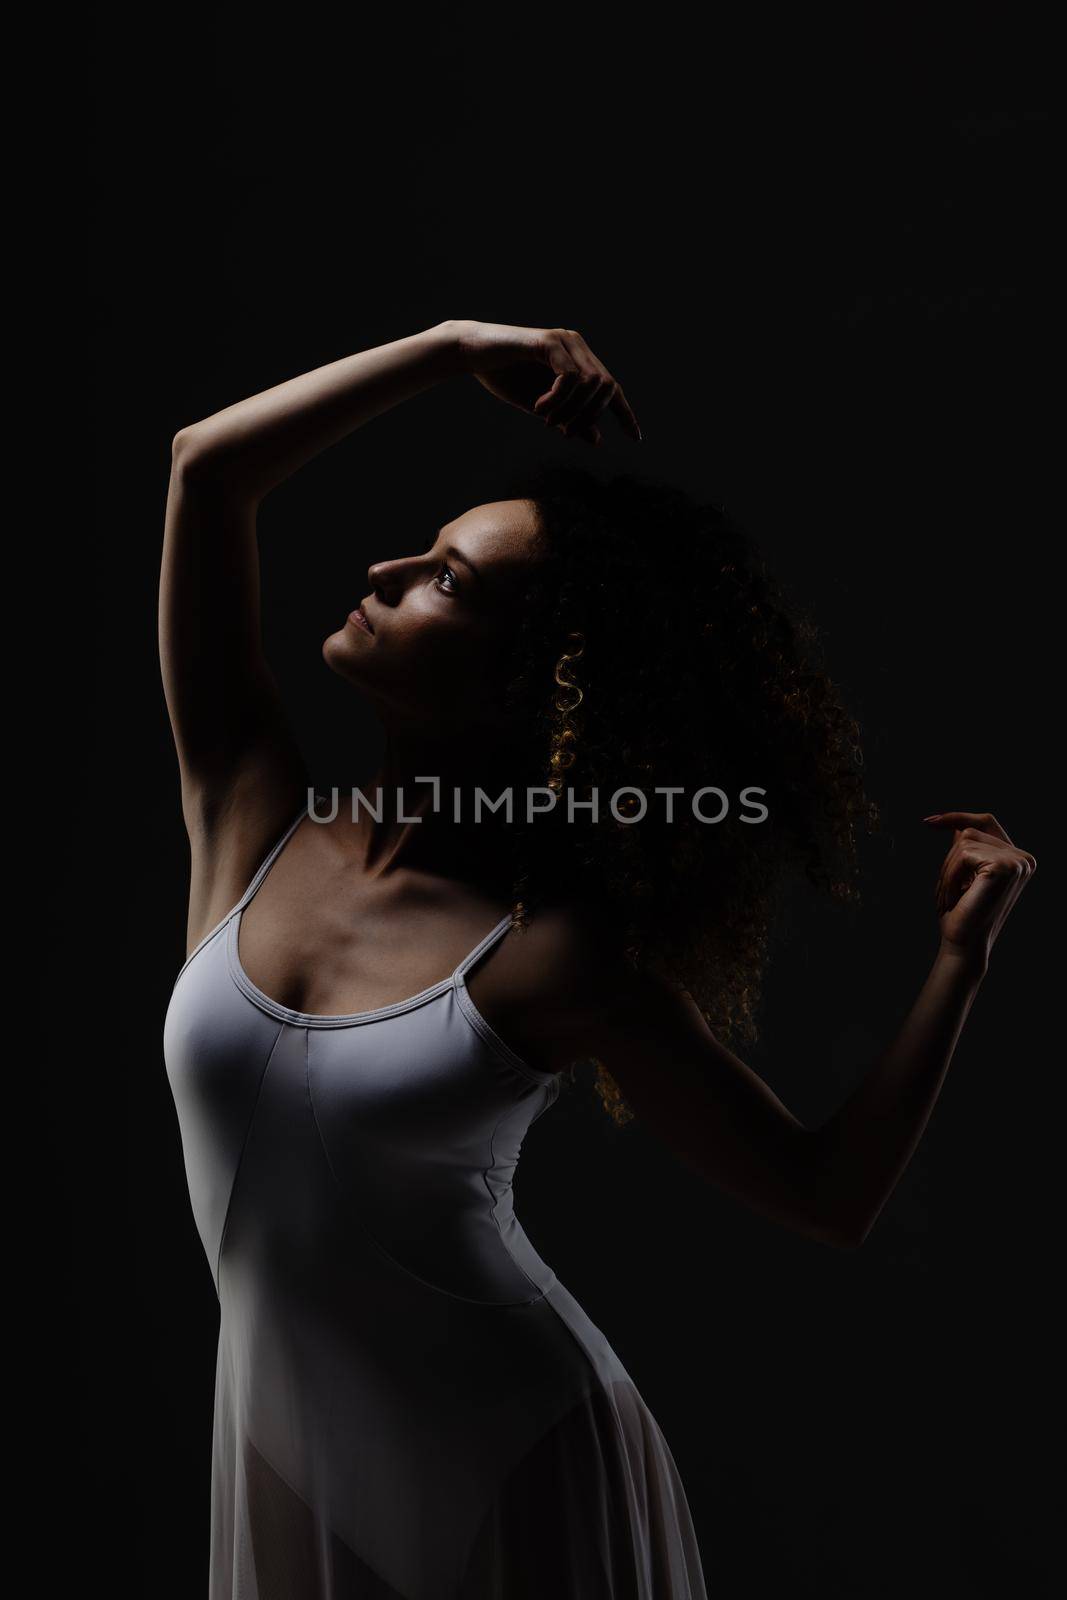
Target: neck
{"x":434,"y":780}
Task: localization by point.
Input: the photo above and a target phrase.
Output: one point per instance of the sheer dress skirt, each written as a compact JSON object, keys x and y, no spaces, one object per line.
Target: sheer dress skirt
{"x":510,"y":1457}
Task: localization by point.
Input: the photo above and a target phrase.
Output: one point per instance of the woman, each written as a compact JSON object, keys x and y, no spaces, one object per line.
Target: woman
{"x":408,"y":1401}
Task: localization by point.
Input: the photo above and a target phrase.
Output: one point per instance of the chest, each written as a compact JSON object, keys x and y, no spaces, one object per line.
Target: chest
{"x":329,"y":954}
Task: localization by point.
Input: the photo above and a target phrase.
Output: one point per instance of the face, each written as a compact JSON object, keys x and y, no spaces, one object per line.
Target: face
{"x":441,"y":620}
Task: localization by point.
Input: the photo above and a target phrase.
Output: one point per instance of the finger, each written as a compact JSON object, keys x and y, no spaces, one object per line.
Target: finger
{"x":597,"y":400}
{"x":554,"y":353}
{"x":542,"y":405}
{"x":618,"y":401}
{"x":984,"y":821}
{"x":955,"y":879}
{"x":567,"y":358}
{"x":574,"y":405}
{"x":939,"y":886}
{"x":964,"y":848}
{"x":984,"y":877}
{"x":549,"y":407}
{"x":621,"y":407}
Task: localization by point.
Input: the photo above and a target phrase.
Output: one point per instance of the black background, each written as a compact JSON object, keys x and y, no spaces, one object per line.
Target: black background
{"x":814,"y":250}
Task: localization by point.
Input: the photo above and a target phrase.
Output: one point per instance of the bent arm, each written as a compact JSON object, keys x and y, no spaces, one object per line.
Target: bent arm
{"x":242,"y":774}
{"x":220,"y":694}
{"x":723,"y":1119}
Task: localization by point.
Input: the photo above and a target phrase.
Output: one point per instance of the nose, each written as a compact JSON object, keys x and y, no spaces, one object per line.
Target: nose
{"x":385,"y":579}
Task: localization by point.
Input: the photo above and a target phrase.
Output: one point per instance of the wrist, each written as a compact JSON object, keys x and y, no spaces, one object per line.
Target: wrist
{"x":450,"y":344}
{"x":970,"y":959}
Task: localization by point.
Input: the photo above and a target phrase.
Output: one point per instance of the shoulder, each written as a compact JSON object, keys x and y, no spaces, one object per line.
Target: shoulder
{"x":567,"y":946}
{"x":567,"y":984}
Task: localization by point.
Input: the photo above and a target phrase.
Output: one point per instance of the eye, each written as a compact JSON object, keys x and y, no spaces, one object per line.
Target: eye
{"x":448,"y":573}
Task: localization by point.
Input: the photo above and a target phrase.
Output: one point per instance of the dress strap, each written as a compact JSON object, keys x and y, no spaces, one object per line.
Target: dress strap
{"x":485,"y":944}
{"x":269,"y":861}
{"x":249,"y":892}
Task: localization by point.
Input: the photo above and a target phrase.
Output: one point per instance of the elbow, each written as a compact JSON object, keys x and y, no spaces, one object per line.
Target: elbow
{"x":815,"y":1225}
{"x":845,"y":1235}
{"x":831,"y":1234}
{"x":194,"y":459}
{"x":181,"y":445}
{"x":837,"y":1227}
{"x":186,"y":451}
{"x":836,"y":1215}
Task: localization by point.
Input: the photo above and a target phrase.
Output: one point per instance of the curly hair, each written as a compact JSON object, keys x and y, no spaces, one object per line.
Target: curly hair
{"x":654,"y":649}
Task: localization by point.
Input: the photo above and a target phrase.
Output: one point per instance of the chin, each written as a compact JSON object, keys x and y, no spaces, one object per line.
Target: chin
{"x":341,"y":654}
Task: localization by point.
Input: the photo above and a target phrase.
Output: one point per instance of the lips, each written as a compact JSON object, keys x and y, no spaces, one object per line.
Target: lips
{"x":360,"y":618}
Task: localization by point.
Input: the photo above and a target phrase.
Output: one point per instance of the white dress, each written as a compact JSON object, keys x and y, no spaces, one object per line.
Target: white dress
{"x":409,"y":1405}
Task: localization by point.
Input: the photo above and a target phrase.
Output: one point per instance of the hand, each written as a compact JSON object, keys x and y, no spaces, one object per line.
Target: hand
{"x":980,"y":880}
{"x":513,"y":364}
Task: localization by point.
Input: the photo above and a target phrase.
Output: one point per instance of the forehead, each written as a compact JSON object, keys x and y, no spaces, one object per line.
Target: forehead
{"x":499,"y":536}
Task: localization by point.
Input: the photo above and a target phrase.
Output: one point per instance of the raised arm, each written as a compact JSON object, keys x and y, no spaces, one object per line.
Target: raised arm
{"x":242,"y":776}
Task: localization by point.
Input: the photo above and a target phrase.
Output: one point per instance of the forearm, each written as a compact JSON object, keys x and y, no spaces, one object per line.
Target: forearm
{"x":862,"y":1150}
{"x":256,"y":444}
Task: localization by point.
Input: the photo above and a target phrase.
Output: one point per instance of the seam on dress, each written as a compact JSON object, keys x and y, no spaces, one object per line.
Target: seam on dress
{"x":550,"y":1099}
{"x":241,"y":1156}
{"x":494,"y":1202}
{"x":357,"y":1222}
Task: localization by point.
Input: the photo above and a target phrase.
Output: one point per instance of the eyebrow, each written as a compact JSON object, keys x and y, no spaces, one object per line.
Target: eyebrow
{"x":457,"y":555}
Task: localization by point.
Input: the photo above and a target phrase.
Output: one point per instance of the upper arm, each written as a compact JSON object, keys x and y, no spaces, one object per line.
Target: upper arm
{"x":225,"y":711}
{"x":242,"y":775}
{"x":688,"y":1088}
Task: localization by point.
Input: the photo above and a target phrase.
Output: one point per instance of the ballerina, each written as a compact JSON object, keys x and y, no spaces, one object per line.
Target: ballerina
{"x":378,"y":1000}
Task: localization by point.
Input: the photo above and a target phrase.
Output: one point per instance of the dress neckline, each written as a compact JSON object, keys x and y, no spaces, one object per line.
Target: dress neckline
{"x":320,"y":1019}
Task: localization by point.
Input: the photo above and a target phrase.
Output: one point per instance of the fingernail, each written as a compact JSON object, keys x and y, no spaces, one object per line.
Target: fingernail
{"x":933,"y":818}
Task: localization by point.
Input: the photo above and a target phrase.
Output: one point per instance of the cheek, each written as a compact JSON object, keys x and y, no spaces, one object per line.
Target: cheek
{"x":452,"y":649}
{"x":454,"y":674}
